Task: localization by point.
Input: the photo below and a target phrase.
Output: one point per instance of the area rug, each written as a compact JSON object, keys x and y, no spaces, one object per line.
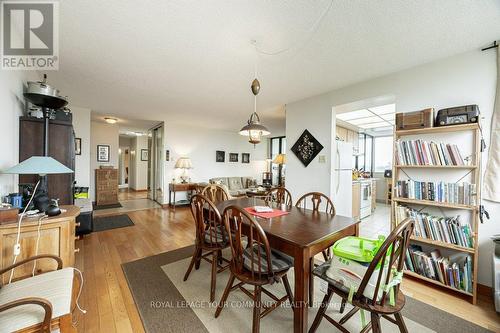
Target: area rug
{"x":111,"y":222}
{"x":99,"y":207}
{"x":167,"y":304}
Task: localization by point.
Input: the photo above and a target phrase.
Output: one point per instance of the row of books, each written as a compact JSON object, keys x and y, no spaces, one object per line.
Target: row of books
{"x":419,"y":152}
{"x":455,"y":271}
{"x":445,"y":229}
{"x":455,"y":193}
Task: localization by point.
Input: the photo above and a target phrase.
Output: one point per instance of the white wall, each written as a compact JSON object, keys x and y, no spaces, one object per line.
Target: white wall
{"x":81,"y":126}
{"x":138,"y":168}
{"x":12,"y":105}
{"x":200,"y":145}
{"x":102,"y":134}
{"x":468,"y":78}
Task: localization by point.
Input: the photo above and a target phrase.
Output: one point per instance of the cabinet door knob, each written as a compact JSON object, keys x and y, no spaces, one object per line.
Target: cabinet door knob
{"x":77,"y":250}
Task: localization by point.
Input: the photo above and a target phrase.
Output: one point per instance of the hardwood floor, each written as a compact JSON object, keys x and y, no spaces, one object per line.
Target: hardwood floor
{"x":128,"y":194}
{"x":109,"y":303}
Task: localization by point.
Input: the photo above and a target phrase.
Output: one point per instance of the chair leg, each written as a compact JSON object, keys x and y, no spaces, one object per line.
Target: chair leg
{"x":256,"y":309}
{"x":198,"y":259}
{"x":215,"y":256}
{"x":224,"y":296}
{"x":400,"y":322}
{"x":342,"y":305}
{"x":286,"y":283}
{"x":321,"y":311}
{"x":375,"y":323}
{"x":311,"y":284}
{"x":191,"y":264}
{"x":325,"y":254}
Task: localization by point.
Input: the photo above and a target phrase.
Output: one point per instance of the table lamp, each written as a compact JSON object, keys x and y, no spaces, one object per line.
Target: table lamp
{"x":185,"y":164}
{"x":42,"y":166}
{"x":280,"y":159}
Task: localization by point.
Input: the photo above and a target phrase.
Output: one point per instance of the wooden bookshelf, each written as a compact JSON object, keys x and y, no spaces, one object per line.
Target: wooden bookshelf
{"x":442,"y":244}
{"x":436,"y":282}
{"x":425,"y":170}
{"x":436,"y":166}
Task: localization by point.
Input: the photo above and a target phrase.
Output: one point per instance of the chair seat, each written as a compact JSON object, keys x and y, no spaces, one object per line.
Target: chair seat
{"x":217,"y":235}
{"x":279,"y":260}
{"x":56,"y":287}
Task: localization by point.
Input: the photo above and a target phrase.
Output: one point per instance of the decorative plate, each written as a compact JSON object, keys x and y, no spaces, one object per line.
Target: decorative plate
{"x":306,"y":148}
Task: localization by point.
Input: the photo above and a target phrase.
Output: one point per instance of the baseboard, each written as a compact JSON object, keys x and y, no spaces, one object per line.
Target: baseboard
{"x":141,"y":190}
{"x":484,"y":290}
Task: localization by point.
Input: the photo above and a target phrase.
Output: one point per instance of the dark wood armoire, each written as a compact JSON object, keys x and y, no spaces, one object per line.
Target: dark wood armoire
{"x":61,"y":148}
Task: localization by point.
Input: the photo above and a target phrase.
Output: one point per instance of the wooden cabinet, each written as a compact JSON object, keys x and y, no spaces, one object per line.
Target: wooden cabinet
{"x":356,"y":200}
{"x":106,"y":186}
{"x":57,"y":236}
{"x":61,"y":148}
{"x":348,"y":135}
{"x":374,"y":194}
{"x":341,"y":133}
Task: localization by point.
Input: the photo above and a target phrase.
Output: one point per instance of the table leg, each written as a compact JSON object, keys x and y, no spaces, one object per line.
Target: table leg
{"x":174,"y":201}
{"x":302,"y":269}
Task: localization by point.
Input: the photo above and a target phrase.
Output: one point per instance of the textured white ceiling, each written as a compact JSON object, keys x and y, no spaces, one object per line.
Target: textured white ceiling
{"x":192,"y":61}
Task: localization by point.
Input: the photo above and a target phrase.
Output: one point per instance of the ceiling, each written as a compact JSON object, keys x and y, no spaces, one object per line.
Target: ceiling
{"x":126,"y":126}
{"x":376,"y":121}
{"x":192,"y":62}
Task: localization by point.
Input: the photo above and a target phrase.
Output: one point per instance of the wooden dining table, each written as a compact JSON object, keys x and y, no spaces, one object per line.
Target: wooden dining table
{"x":301,"y":234}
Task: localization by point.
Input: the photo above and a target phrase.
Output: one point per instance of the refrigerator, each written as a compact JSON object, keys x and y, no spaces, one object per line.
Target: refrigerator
{"x":342,"y":178}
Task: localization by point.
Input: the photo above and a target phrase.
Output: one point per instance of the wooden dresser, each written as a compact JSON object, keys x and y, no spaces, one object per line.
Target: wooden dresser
{"x":57,"y":236}
{"x":106,"y":186}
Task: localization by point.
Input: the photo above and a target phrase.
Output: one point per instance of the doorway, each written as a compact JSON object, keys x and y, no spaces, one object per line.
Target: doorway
{"x":155,"y":164}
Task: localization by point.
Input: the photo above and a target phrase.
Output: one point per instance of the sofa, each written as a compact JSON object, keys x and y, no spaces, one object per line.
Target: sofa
{"x":236,"y":186}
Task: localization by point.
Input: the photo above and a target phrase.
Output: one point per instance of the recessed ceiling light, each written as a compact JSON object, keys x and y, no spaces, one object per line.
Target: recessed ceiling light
{"x":110,"y":120}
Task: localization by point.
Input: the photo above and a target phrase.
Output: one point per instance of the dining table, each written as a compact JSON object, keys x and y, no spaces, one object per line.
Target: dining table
{"x":301,"y":234}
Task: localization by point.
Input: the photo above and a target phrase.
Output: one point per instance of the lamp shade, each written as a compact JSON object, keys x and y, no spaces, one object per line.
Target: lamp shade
{"x":184,"y":163}
{"x":39,"y":165}
{"x":280,"y":159}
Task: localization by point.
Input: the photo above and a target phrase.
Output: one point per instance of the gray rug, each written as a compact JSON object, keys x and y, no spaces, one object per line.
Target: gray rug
{"x":99,"y":207}
{"x":167,"y":304}
{"x":111,"y":222}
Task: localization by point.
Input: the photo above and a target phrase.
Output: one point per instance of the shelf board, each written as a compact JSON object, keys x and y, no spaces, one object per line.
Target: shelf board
{"x":441,"y":129}
{"x":436,"y":166}
{"x":438,"y":283}
{"x":443,"y":244}
{"x":434,"y":203}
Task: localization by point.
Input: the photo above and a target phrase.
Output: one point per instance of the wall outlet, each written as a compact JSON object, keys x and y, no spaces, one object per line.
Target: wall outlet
{"x":322,"y":159}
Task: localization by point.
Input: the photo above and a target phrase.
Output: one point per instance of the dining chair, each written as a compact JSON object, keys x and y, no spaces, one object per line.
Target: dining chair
{"x":211,"y":238}
{"x":390,"y":257}
{"x":254,"y":263}
{"x":279,"y":196}
{"x":215,"y":193}
{"x":314,"y":200}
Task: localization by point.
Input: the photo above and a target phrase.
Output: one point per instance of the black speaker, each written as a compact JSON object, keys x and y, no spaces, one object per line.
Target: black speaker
{"x":388,"y":173}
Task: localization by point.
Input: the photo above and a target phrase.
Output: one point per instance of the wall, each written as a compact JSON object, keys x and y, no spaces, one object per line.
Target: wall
{"x":12,"y":105}
{"x":102,"y":134}
{"x":138,"y":168}
{"x":81,"y":126}
{"x":200,"y":145}
{"x":468,"y":78}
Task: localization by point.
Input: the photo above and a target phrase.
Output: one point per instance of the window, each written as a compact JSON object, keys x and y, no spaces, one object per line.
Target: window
{"x":383,"y":153}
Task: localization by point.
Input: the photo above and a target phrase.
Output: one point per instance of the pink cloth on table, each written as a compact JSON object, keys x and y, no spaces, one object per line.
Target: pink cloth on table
{"x":274,"y":213}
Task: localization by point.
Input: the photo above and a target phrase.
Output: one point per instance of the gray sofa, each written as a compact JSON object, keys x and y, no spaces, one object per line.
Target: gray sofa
{"x":236,"y":186}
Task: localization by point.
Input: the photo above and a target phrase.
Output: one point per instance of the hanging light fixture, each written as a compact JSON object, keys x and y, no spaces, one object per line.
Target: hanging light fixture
{"x":254,"y":130}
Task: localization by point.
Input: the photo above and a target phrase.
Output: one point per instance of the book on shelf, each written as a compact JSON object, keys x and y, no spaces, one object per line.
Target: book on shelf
{"x":454,"y":193}
{"x":450,"y":230}
{"x":454,"y":271}
{"x":419,"y":152}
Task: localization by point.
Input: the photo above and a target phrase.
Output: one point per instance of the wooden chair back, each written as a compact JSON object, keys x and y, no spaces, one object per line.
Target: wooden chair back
{"x":215,"y":193}
{"x":390,"y":255}
{"x":234,"y":218}
{"x":208,"y":221}
{"x":279,"y":196}
{"x":315,"y":199}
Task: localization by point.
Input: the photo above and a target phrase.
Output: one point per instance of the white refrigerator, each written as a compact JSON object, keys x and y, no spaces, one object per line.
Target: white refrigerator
{"x":342,"y":178}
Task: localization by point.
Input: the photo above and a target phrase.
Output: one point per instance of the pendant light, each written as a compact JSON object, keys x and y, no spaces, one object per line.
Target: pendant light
{"x":254,"y":130}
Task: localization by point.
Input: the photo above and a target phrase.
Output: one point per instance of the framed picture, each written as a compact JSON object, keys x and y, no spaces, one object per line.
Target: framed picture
{"x":233,"y":157}
{"x":78,"y":146}
{"x":102,"y":153}
{"x":144,"y":154}
{"x":306,"y":148}
{"x":245,"y":158}
{"x":220,"y":156}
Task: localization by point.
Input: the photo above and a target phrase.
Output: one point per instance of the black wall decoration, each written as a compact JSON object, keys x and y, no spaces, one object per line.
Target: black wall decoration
{"x":306,"y":148}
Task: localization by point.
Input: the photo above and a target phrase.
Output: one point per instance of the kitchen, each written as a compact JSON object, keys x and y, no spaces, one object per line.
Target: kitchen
{"x":363,"y":154}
